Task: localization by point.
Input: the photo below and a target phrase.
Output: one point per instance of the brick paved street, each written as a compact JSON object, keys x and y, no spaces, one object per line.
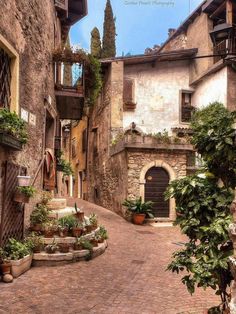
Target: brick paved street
{"x":129,"y":278}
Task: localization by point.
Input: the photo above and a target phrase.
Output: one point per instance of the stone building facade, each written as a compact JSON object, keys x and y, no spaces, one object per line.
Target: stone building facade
{"x":29,"y":33}
{"x":149,"y":98}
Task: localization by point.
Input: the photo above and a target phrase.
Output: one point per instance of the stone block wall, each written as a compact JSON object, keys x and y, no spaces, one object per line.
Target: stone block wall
{"x":29,"y":27}
{"x":139,"y":159}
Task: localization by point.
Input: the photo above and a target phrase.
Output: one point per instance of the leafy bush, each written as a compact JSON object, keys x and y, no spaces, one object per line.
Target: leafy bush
{"x":16,"y":250}
{"x":203,"y":207}
{"x":213,"y":138}
{"x":39,"y":215}
{"x":12,"y":124}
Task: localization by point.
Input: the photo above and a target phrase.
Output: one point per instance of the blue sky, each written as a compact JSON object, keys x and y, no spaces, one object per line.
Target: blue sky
{"x":139,"y":23}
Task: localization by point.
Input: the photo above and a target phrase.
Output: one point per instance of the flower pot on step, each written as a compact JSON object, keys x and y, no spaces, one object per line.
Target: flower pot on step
{"x":20,"y":266}
{"x":48,"y":233}
{"x":36,"y":228}
{"x":6,"y":268}
{"x":79,"y":216}
{"x":63,"y":232}
{"x":23,"y":180}
{"x":76,"y":232}
{"x":138,"y":219}
{"x":64,"y":247}
{"x":21,"y":197}
{"x":77,"y":247}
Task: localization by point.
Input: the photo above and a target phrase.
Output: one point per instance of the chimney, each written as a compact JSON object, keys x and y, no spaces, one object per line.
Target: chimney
{"x":171,"y":31}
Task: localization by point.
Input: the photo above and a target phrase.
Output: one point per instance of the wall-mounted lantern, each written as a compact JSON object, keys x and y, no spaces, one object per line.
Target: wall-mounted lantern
{"x":221,"y":32}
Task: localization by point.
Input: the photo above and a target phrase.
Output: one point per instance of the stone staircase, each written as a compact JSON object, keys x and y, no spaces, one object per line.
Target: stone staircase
{"x":58,"y":208}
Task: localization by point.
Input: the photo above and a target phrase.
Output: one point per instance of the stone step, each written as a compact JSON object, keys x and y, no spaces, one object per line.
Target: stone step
{"x":58,"y":213}
{"x":45,"y":259}
{"x":69,"y":240}
{"x":57,"y":204}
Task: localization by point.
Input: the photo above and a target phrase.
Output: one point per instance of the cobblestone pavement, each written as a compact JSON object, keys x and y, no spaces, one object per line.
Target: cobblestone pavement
{"x":129,"y":277}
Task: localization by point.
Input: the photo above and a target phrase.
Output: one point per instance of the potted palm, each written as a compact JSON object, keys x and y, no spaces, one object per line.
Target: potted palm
{"x":66,"y":224}
{"x":140,"y":210}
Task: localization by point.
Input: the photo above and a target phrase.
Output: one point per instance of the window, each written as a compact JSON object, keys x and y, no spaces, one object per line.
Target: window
{"x":74,"y":147}
{"x":84,"y":140}
{"x":9,"y":76}
{"x":186,"y":106}
{"x":5,"y":79}
{"x":128,"y":95}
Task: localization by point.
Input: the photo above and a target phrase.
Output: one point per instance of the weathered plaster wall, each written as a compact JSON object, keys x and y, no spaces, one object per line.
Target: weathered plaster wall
{"x":29,"y":27}
{"x":198,"y":37}
{"x":231,"y":91}
{"x":157,"y":94}
{"x":212,"y":88}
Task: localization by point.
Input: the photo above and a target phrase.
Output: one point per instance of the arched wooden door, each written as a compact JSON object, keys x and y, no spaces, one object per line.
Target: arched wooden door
{"x":157,"y":180}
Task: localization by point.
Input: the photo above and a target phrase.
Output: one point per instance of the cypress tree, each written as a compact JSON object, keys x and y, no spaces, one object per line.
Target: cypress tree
{"x":109,"y":33}
{"x":95,"y":45}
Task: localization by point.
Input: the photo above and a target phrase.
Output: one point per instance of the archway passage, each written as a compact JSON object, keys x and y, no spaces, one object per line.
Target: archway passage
{"x":157,"y":180}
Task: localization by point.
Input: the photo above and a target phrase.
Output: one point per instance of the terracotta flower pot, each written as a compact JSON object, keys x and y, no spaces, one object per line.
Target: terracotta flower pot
{"x":76,"y":232}
{"x":36,"y":228}
{"x":6,"y":268}
{"x":138,"y":219}
{"x":63,"y":232}
{"x":38,"y":248}
{"x":50,"y":250}
{"x":49,"y":233}
{"x":77,"y":247}
{"x":89,"y":228}
{"x":94,"y":242}
{"x":64,"y":247}
{"x":21,"y":197}
{"x":79,"y":216}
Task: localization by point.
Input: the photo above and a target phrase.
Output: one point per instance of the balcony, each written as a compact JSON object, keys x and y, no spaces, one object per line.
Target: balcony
{"x":147,"y":142}
{"x":69,"y":85}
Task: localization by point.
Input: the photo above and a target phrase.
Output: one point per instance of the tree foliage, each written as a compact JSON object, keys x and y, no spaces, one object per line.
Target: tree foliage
{"x":95,"y":45}
{"x":203,"y":206}
{"x":214,"y":139}
{"x":109,"y":33}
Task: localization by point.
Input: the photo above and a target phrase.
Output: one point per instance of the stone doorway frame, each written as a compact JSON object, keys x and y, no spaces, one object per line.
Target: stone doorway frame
{"x":142,"y":182}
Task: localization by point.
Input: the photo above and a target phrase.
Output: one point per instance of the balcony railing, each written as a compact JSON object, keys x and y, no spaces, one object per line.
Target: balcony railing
{"x":223,"y":48}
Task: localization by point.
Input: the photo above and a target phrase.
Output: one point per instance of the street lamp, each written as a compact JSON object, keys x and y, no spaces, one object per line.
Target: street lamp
{"x":221,"y":32}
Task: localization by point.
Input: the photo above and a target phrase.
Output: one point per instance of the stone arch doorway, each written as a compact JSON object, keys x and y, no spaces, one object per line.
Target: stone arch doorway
{"x":172,"y":176}
{"x":157,"y":180}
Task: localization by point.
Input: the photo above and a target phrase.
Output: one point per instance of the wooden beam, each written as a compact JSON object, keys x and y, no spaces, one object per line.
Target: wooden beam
{"x":229,"y":12}
{"x":218,"y":10}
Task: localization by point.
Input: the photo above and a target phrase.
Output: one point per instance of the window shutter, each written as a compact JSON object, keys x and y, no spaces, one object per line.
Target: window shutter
{"x":128,"y":94}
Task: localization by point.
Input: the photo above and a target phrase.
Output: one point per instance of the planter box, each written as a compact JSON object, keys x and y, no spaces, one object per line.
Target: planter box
{"x":20,"y":266}
{"x":10,"y":141}
{"x":23,"y":180}
{"x":21,"y":198}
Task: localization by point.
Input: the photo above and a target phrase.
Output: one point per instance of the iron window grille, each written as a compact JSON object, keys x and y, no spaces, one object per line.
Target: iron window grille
{"x":5,"y":79}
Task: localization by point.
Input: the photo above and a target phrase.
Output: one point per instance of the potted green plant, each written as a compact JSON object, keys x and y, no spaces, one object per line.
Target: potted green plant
{"x":5,"y":262}
{"x":20,"y":255}
{"x":88,"y":227}
{"x":51,"y":248}
{"x":36,"y":242}
{"x":77,"y":229}
{"x":45,"y":197}
{"x":102,"y":234}
{"x":79,"y":214}
{"x":24,"y":193}
{"x":93,"y":220}
{"x":64,"y":247}
{"x":140,"y":210}
{"x":50,"y":228}
{"x":66,"y":224}
{"x":38,"y":217}
{"x":13,"y":131}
